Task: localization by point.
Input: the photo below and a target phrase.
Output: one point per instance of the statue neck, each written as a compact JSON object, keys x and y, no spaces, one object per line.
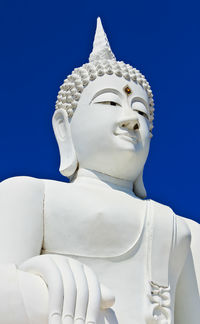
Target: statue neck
{"x":103,"y":180}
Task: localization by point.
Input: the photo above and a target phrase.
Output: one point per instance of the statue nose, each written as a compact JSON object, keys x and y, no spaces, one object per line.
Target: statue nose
{"x":130,"y":124}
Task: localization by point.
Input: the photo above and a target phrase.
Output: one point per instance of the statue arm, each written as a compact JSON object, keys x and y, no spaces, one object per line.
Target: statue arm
{"x":34,"y":286}
{"x":187,"y":302}
{"x":21,"y":219}
{"x":21,"y":237}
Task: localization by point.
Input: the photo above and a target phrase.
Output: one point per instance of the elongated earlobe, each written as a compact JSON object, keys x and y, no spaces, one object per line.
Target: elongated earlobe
{"x":138,"y":187}
{"x":62,"y":130}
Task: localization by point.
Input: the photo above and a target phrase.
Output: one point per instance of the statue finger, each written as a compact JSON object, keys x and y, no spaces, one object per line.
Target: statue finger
{"x":94,"y":297}
{"x":70,"y":290}
{"x":46,"y":268}
{"x":82,"y":291}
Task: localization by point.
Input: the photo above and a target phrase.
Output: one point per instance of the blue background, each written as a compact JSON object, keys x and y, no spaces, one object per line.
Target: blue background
{"x":42,"y":41}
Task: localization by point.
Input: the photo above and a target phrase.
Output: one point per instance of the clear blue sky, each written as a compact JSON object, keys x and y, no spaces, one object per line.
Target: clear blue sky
{"x":42,"y":41}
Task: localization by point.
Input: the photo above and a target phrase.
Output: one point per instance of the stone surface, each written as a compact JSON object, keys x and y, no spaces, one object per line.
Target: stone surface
{"x":94,"y":250}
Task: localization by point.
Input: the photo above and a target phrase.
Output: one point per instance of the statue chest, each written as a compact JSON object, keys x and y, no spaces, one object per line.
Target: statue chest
{"x":90,"y":221}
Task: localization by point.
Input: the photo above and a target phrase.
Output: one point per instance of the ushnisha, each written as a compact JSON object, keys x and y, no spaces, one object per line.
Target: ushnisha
{"x":102,"y":61}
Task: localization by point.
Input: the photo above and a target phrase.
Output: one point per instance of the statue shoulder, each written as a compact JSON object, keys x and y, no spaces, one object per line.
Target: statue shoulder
{"x":25,"y":192}
{"x":183,"y":240}
{"x":194,"y":229}
{"x":183,"y":230}
{"x":169,"y":243}
{"x":174,"y":229}
{"x":181,"y":226}
{"x":23,"y":182}
{"x":192,"y":225}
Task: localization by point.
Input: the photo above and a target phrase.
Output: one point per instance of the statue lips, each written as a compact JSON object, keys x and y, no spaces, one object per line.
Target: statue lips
{"x":128,"y":136}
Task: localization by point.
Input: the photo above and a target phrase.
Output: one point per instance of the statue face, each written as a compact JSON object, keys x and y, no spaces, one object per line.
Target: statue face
{"x":110,"y":127}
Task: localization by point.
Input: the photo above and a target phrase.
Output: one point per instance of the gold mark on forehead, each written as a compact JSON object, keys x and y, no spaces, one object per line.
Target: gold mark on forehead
{"x":127,"y":90}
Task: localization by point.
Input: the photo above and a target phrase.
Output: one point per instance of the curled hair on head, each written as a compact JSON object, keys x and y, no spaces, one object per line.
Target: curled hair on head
{"x":101,"y":62}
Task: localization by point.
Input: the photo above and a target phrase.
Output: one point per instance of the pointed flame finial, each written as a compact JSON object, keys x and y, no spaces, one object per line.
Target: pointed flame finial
{"x":101,"y":47}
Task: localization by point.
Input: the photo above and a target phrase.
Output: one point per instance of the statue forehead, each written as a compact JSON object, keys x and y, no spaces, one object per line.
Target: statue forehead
{"x":107,"y":82}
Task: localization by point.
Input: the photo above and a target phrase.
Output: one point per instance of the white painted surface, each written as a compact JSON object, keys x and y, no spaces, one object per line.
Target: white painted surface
{"x":93,"y":251}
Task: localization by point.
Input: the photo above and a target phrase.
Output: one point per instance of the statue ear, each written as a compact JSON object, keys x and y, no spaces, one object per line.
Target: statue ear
{"x":62,"y":130}
{"x":138,"y":187}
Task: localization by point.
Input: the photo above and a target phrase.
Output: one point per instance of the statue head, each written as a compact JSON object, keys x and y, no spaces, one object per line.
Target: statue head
{"x":103,"y":118}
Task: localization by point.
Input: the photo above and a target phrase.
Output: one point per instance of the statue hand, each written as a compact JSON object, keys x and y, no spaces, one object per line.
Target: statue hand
{"x":74,"y":290}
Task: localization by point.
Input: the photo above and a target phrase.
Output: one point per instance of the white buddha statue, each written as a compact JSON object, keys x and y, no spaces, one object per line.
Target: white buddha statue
{"x":94,"y":250}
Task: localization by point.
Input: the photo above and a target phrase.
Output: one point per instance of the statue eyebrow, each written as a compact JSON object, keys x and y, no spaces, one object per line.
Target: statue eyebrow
{"x":107,"y":90}
{"x":134,"y":99}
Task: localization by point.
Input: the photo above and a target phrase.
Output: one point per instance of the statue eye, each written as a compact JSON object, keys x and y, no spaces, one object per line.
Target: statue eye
{"x":143,"y":114}
{"x":140,"y":108}
{"x":111,"y":103}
